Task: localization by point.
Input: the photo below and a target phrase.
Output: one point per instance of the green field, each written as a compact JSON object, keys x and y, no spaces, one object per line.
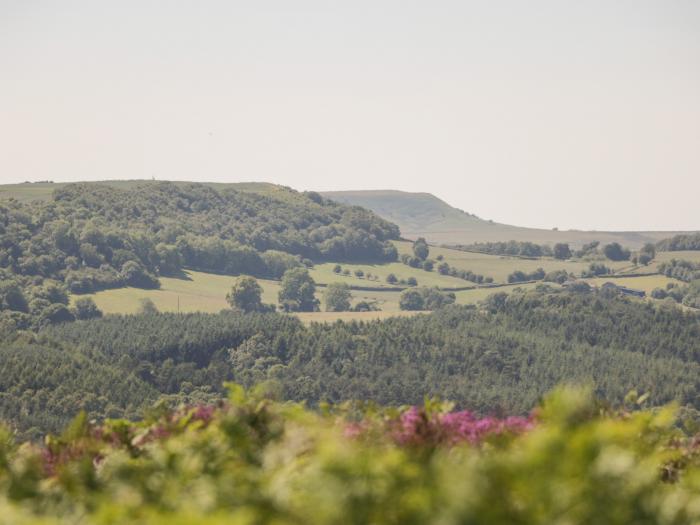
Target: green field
{"x":645,"y":282}
{"x":479,"y":294}
{"x":689,"y":255}
{"x":500,"y":266}
{"x":323,"y":273}
{"x":206,"y":292}
{"x":199,"y":292}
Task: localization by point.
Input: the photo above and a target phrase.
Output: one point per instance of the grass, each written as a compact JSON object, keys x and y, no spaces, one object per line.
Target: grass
{"x":206,"y":292}
{"x":323,"y":273}
{"x":199,"y":292}
{"x":690,"y":255}
{"x":644,"y":282}
{"x":499,"y":267}
{"x":479,"y":294}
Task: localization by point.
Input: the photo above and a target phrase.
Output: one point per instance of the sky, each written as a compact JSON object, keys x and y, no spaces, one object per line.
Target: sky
{"x":561,"y":113}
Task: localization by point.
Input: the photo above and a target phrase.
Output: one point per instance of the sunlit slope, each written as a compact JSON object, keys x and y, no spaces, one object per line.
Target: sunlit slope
{"x":424,"y":215}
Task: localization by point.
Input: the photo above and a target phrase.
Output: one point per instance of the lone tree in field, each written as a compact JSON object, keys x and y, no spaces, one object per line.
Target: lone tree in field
{"x":245,"y":295}
{"x":420,"y":249}
{"x":647,"y":253}
{"x":615,"y":252}
{"x":337,"y":297}
{"x":562,"y":251}
{"x":297,"y":292}
{"x":411,"y":300}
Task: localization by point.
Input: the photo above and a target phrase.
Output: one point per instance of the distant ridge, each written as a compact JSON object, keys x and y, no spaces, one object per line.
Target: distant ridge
{"x":417,"y":214}
{"x":425,"y":215}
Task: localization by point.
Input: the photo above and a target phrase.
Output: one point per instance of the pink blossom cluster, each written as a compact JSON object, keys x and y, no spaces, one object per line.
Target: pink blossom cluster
{"x":415,"y":427}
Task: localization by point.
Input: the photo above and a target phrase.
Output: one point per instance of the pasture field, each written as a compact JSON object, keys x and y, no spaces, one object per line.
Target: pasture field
{"x":206,"y":292}
{"x":690,"y":255}
{"x":661,"y":257}
{"x":323,"y":274}
{"x":642,"y":282}
{"x":198,"y":292}
{"x":479,"y":294}
{"x":500,"y":266}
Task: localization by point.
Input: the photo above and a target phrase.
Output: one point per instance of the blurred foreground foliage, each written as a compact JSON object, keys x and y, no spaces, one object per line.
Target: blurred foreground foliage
{"x":252,"y":460}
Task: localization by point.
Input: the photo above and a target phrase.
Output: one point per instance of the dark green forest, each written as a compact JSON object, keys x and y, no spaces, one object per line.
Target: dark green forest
{"x":499,"y":358}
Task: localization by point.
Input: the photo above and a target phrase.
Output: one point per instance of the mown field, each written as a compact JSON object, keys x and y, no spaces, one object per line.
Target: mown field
{"x":479,"y":294}
{"x":323,"y":273}
{"x":206,"y":292}
{"x":500,"y":266}
{"x":643,"y":282}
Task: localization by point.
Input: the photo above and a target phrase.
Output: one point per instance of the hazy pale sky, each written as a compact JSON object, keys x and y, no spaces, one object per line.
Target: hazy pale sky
{"x":575,"y":114}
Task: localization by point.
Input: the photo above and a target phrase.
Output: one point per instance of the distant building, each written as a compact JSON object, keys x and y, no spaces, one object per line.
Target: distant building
{"x":624,"y":290}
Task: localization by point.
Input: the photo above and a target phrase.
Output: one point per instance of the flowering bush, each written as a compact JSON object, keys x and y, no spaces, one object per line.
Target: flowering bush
{"x":255,"y":461}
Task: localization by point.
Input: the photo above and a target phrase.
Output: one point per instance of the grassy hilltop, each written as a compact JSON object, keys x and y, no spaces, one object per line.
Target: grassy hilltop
{"x":424,"y":215}
{"x":416,"y":214}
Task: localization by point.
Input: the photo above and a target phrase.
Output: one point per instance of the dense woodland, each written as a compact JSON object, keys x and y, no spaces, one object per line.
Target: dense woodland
{"x":91,"y":236}
{"x":499,"y":358}
{"x":690,"y":241}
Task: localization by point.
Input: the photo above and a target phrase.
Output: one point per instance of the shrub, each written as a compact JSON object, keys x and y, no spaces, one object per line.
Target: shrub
{"x":575,"y":462}
{"x":615,"y":252}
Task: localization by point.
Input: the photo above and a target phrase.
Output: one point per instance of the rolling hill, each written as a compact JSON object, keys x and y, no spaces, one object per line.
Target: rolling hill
{"x":417,"y":214}
{"x":424,"y":215}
